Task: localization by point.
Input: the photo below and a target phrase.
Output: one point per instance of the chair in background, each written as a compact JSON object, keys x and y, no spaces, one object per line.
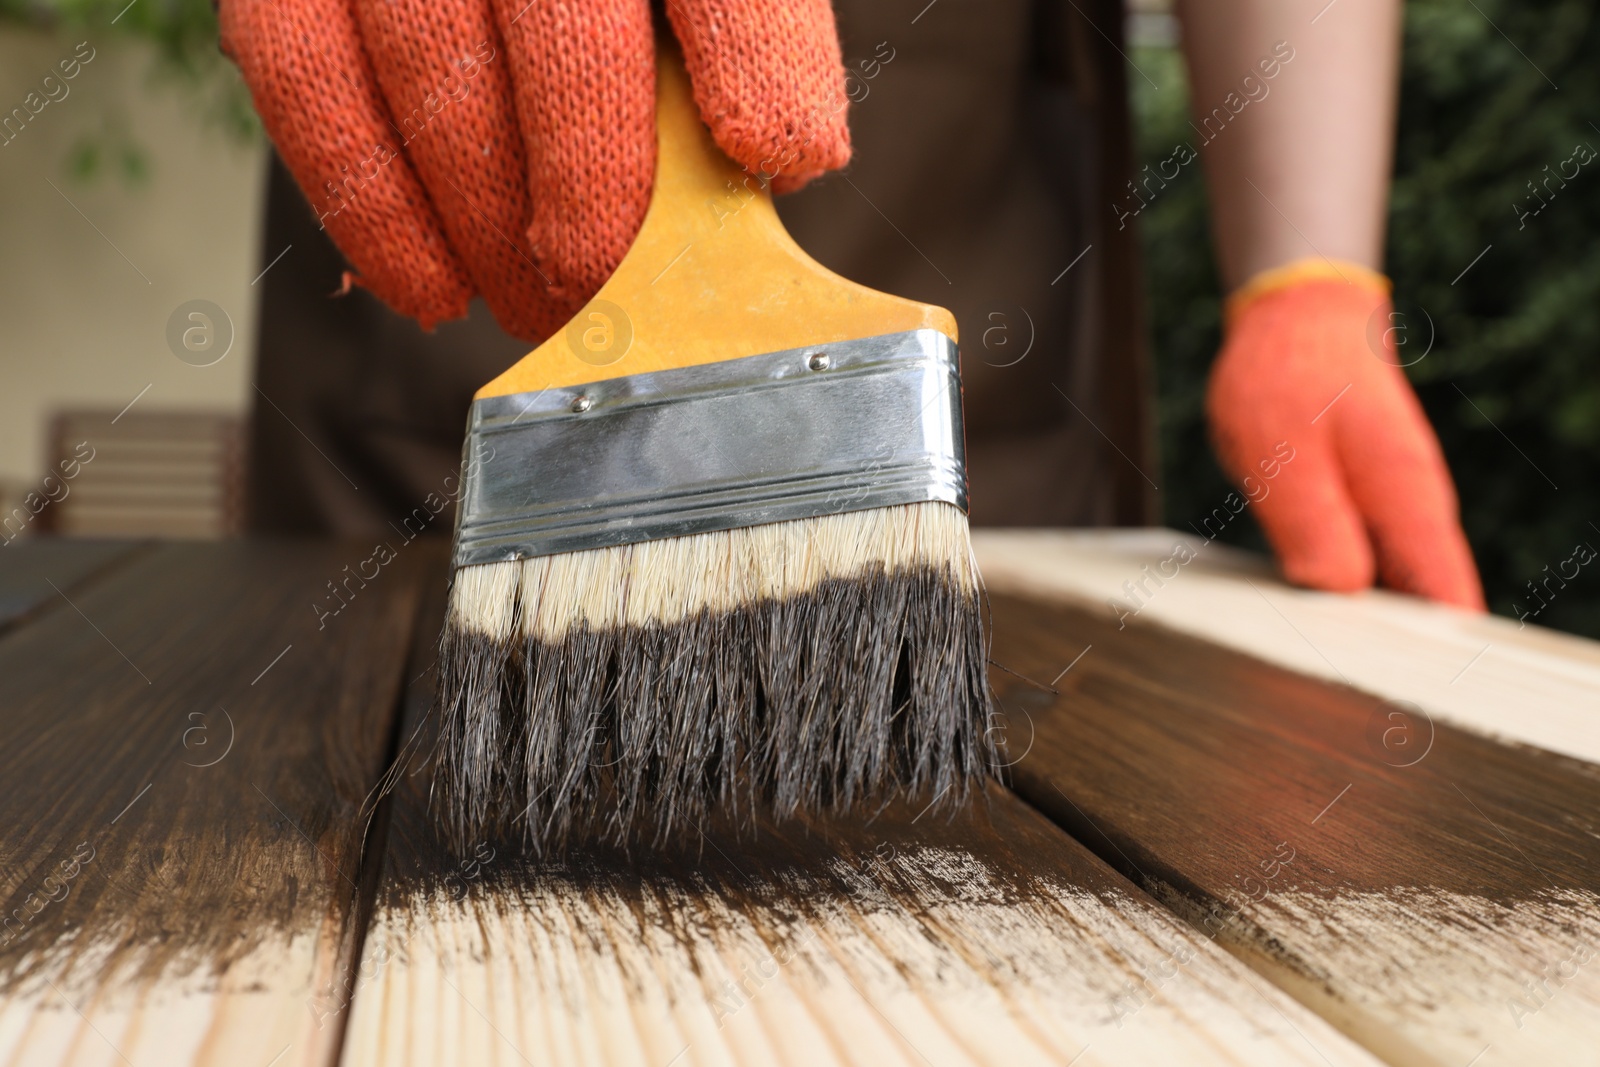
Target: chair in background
{"x":169,"y":474}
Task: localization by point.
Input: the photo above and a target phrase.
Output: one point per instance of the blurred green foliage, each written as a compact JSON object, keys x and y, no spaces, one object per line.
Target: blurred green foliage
{"x":1512,"y":382}
{"x":183,"y":34}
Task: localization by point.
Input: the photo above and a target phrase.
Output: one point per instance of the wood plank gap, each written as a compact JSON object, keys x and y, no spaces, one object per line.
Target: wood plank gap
{"x":177,"y":853}
{"x":1431,"y":892}
{"x":379,"y":806}
{"x":987,"y":938}
{"x":79,"y":581}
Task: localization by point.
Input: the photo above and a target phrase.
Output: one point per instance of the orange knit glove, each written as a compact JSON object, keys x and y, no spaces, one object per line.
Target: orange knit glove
{"x":507,"y":147}
{"x":1309,"y":371}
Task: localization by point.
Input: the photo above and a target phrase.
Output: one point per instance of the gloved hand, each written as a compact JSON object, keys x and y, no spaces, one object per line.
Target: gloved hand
{"x":1309,"y":360}
{"x":507,"y":147}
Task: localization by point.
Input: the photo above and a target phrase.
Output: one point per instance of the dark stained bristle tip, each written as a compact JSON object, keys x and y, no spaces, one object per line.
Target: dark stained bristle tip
{"x":840,"y":696}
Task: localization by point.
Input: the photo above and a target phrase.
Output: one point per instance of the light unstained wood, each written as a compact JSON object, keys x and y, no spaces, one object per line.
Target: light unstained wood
{"x":1487,"y":673}
{"x":901,"y":939}
{"x":185,"y":755}
{"x":1433,"y":893}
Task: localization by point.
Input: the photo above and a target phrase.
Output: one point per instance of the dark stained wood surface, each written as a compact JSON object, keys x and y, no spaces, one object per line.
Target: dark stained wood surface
{"x":36,"y":571}
{"x":191,"y":870}
{"x":1431,"y":891}
{"x":895,"y":937}
{"x":185,"y":755}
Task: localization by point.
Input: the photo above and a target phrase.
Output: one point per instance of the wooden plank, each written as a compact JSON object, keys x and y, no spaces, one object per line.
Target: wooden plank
{"x":1463,"y":669}
{"x":184,"y":755}
{"x":1430,"y":891}
{"x":900,"y":939}
{"x":34,"y":572}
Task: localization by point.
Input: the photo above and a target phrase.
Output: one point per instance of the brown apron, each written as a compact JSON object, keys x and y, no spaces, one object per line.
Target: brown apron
{"x":991,"y":138}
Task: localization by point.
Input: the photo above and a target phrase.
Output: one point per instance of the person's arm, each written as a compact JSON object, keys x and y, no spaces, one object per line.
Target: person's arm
{"x":1304,"y":169}
{"x":1310,"y":412}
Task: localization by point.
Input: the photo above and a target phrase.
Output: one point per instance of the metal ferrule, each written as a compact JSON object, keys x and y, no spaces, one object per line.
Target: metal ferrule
{"x":771,"y":438}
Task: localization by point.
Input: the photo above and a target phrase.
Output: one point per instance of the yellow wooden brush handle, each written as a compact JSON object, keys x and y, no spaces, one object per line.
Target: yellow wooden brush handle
{"x":713,"y":275}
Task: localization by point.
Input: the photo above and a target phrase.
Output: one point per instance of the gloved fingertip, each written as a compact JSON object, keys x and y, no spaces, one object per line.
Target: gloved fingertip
{"x":786,"y":158}
{"x":784,"y":184}
{"x":1469,"y":598}
{"x":1331,"y":568}
{"x":1464,"y":592}
{"x":1444,"y":572}
{"x":429,"y":310}
{"x":770,"y":83}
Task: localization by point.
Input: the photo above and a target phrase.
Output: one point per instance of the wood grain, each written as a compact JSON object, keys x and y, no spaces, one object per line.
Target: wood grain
{"x":1433,"y":893}
{"x":186,"y":745}
{"x":35,"y":572}
{"x":891,"y":939}
{"x":185,"y":754}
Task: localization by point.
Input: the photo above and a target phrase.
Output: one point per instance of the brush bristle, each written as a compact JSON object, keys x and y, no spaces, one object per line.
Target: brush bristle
{"x":630,"y":693}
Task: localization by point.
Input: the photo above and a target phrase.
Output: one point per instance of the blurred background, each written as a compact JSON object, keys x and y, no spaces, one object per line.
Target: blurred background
{"x":1492,"y":93}
{"x":132,"y":189}
{"x":132,"y":172}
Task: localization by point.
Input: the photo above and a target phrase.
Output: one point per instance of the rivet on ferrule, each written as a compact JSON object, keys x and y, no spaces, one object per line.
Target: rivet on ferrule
{"x":713,"y":446}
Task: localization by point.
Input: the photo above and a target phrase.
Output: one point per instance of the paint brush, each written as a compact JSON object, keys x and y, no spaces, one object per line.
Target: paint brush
{"x":712,"y":553}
